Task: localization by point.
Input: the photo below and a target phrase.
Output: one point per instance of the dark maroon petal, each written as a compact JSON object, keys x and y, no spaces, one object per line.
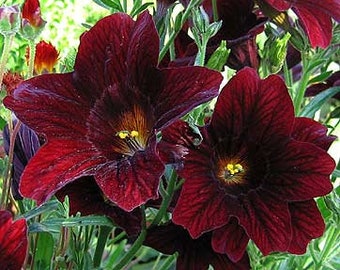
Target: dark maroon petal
{"x":13,"y":241}
{"x":260,"y":111}
{"x":101,"y":58}
{"x":222,"y":262}
{"x":330,"y":7}
{"x":308,"y":130}
{"x":300,"y":172}
{"x":307,"y":224}
{"x":56,"y":164}
{"x":87,"y":198}
{"x":184,"y":89}
{"x":317,"y":25}
{"x":266,"y":221}
{"x":230,"y":239}
{"x":143,"y":50}
{"x":130,"y":182}
{"x":51,"y":105}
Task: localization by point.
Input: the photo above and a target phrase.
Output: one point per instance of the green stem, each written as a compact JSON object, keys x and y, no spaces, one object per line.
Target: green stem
{"x":200,"y":58}
{"x":31,"y":45}
{"x":166,"y":199}
{"x":135,"y":247}
{"x":288,"y":78}
{"x":173,"y":35}
{"x":302,"y":86}
{"x":215,"y":12}
{"x":4,"y":57}
{"x":332,"y":237}
{"x":98,"y":254}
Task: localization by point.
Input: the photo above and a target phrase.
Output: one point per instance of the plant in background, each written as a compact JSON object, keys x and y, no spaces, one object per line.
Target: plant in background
{"x":125,"y":159}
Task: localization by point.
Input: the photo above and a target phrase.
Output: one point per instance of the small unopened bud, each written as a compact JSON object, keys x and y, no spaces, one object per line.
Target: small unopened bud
{"x":9,"y":20}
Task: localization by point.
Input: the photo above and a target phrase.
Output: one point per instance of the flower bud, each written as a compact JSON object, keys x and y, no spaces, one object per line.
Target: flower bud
{"x":9,"y":20}
{"x":32,"y":23}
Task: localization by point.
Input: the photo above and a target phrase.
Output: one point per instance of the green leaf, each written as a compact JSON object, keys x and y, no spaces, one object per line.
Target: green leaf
{"x":336,"y":173}
{"x":108,"y":4}
{"x":44,"y":251}
{"x":320,"y":78}
{"x":47,"y":207}
{"x":2,"y":123}
{"x":316,"y":103}
{"x":79,"y":221}
{"x":137,"y":9}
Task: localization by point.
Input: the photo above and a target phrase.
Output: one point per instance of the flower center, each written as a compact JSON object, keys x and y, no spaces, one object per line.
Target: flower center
{"x":231,"y":172}
{"x":132,"y":140}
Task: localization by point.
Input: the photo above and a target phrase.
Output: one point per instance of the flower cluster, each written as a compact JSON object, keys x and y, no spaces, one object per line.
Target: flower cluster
{"x":114,"y":133}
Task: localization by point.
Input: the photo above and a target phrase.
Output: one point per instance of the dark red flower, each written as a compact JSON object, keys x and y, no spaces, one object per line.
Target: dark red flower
{"x":31,"y":13}
{"x":102,"y":119}
{"x":314,"y":15}
{"x":255,"y":171}
{"x":193,"y":254}
{"x":13,"y":241}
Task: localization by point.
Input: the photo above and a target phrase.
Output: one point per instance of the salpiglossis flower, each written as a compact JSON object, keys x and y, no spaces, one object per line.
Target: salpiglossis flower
{"x":102,"y":119}
{"x":253,"y":176}
{"x":13,"y":241}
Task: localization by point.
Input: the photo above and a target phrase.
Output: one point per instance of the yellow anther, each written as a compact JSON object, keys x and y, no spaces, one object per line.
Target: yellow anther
{"x":134,"y":133}
{"x":233,"y":169}
{"x":123,"y":134}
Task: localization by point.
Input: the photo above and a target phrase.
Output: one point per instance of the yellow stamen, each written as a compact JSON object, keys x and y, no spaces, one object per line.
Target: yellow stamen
{"x":233,"y":169}
{"x":123,"y":134}
{"x":134,"y":133}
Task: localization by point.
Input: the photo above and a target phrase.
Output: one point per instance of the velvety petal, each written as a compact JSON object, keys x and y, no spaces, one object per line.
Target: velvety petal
{"x":222,"y":262}
{"x":87,"y":198}
{"x":51,"y":105}
{"x":279,"y":4}
{"x":230,"y":239}
{"x":56,"y":164}
{"x":184,"y":89}
{"x":13,"y":241}
{"x":260,"y":111}
{"x":330,"y":7}
{"x":101,"y":58}
{"x":143,"y":50}
{"x":317,"y":25}
{"x":307,"y":224}
{"x":266,"y":221}
{"x":308,"y":130}
{"x":130,"y":182}
{"x":299,"y":172}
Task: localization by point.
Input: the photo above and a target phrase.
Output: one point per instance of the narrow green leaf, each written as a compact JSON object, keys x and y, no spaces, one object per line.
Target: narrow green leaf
{"x":79,"y":221}
{"x":2,"y":123}
{"x":320,"y":78}
{"x":219,"y":57}
{"x":47,"y":207}
{"x":316,"y":103}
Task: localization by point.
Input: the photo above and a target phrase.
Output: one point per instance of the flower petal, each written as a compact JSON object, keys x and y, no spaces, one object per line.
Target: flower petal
{"x":86,"y":197}
{"x":143,"y":50}
{"x":131,"y":181}
{"x":266,"y":221}
{"x":299,"y":172}
{"x":308,"y":130}
{"x":101,"y":58}
{"x":317,"y":25}
{"x":184,"y":88}
{"x":56,"y":164}
{"x":51,"y":105}
{"x":307,"y":224}
{"x":259,"y":111}
{"x":230,"y":239}
{"x":13,"y":241}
